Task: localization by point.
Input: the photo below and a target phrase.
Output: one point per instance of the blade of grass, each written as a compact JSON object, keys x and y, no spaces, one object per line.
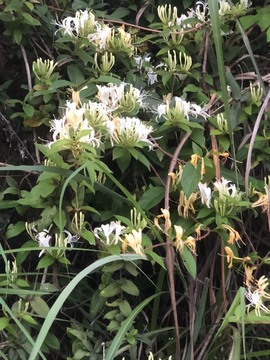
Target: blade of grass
{"x":214,"y":15}
{"x":63,"y":172}
{"x":235,"y":352}
{"x":67,"y":291}
{"x":201,"y":310}
{"x":125,"y":326}
{"x":20,"y":326}
{"x":22,"y":292}
{"x":3,"y":356}
{"x":243,"y":313}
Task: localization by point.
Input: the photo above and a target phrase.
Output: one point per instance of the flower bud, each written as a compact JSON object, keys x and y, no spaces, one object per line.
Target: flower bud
{"x":106,"y":64}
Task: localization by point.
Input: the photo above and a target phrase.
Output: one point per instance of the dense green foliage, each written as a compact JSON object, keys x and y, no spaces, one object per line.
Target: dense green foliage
{"x":134,"y":202}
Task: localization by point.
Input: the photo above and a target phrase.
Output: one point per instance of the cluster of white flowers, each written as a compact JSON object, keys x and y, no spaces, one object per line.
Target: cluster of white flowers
{"x":168,"y":14}
{"x":201,"y":11}
{"x":130,"y":132}
{"x":114,"y":232}
{"x":84,"y":25}
{"x":74,"y":127}
{"x":80,"y":25}
{"x":45,"y":240}
{"x":226,"y":190}
{"x":95,"y":122}
{"x":178,"y":110}
{"x":256,"y":291}
{"x":123,"y":97}
{"x":109,"y":233}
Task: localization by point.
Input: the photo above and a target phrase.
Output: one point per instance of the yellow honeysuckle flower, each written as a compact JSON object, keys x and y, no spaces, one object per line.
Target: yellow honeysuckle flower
{"x":166,"y":216}
{"x":186,"y":204}
{"x":233,"y":234}
{"x":231,"y":257}
{"x":134,"y":240}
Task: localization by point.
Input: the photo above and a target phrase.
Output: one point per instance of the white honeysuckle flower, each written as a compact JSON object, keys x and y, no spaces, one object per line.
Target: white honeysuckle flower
{"x":224,"y":8}
{"x":43,"y":69}
{"x":111,"y":95}
{"x":201,"y":11}
{"x":205,"y":193}
{"x":225,"y":189}
{"x":70,"y":239}
{"x":82,"y":24}
{"x":74,"y":126}
{"x":74,"y":115}
{"x":256,"y":294}
{"x":141,"y":59}
{"x":123,"y":97}
{"x":162,"y":109}
{"x":109,"y":233}
{"x":101,"y":36}
{"x":152,"y":76}
{"x":96,"y":114}
{"x":179,"y":109}
{"x":130,"y":132}
{"x":43,"y":239}
{"x":59,"y":129}
{"x":183,"y":17}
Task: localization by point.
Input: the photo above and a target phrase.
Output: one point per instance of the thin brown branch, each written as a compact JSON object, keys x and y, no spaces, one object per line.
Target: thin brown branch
{"x":253,"y":137}
{"x":170,"y":254}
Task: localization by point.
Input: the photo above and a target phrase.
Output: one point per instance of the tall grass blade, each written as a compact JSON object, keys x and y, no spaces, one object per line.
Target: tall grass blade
{"x":67,"y":291}
{"x":125,"y":326}
{"x":214,"y":15}
{"x":20,"y":326}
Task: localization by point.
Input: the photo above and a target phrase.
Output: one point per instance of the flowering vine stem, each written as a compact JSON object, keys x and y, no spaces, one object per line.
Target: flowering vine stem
{"x":170,"y":254}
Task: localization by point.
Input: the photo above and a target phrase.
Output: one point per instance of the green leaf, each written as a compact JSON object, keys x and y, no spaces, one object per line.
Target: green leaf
{"x":15,"y":229}
{"x":21,"y":256}
{"x":52,"y":341}
{"x":30,"y":20}
{"x":3,"y":323}
{"x":75,"y":75}
{"x":190,"y":178}
{"x":143,"y":160}
{"x":235,"y":88}
{"x":129,"y":287}
{"x":156,"y":258}
{"x":110,"y":290}
{"x":89,"y":236}
{"x":17,"y":36}
{"x":125,"y":308}
{"x":119,"y":13}
{"x":268,"y":34}
{"x":59,"y":83}
{"x":40,"y":306}
{"x":97,"y":304}
{"x":45,"y":262}
{"x":48,"y":287}
{"x":28,"y":318}
{"x":124,"y":161}
{"x":118,"y":152}
{"x":21,"y":283}
{"x":152,"y":197}
{"x":109,"y":79}
{"x":189,"y":262}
